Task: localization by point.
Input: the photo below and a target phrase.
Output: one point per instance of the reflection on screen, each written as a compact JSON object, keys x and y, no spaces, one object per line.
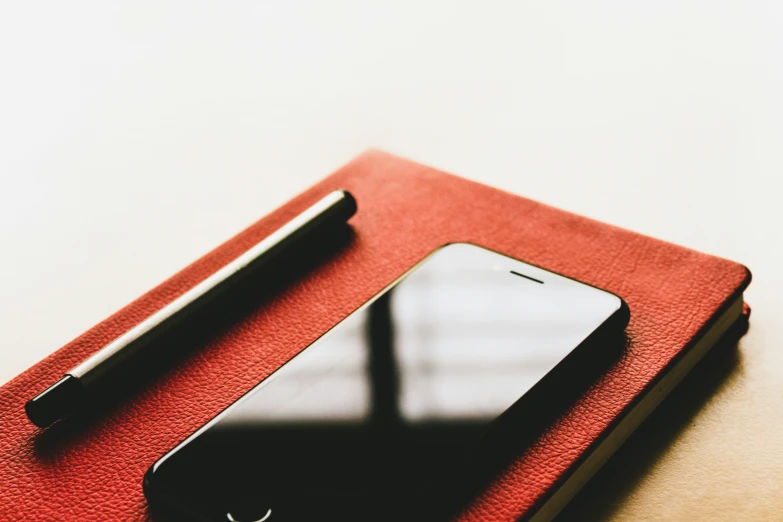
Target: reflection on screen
{"x":449,"y":342}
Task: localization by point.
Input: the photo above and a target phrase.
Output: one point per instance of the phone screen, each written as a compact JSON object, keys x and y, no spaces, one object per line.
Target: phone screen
{"x":387,"y":405}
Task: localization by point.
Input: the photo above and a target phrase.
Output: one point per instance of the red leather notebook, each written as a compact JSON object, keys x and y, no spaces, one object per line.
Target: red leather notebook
{"x":681,"y":303}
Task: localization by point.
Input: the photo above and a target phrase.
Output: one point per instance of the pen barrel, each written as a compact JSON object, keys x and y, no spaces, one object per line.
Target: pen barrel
{"x":332,"y":210}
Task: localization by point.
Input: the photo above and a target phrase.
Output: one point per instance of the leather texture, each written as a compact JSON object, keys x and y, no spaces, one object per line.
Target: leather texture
{"x":94,"y":470}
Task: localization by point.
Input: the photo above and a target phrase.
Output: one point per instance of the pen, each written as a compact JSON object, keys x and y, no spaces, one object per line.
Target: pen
{"x":63,"y":398}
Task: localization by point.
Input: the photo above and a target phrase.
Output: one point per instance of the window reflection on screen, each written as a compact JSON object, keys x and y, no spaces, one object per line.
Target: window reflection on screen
{"x":455,"y":339}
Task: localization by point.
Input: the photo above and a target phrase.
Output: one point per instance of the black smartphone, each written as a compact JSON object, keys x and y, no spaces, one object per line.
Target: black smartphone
{"x":381,"y":414}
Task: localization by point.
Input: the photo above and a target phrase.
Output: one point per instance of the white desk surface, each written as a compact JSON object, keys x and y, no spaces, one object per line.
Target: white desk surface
{"x":136,"y":137}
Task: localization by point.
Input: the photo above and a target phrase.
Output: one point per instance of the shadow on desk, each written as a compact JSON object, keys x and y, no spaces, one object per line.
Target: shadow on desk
{"x":611,"y":486}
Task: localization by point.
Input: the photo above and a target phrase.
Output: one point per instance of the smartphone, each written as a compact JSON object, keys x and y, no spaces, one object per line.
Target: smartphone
{"x":382,"y":413}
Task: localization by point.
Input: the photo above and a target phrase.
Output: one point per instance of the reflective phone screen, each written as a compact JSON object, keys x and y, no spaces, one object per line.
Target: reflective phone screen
{"x":387,"y":404}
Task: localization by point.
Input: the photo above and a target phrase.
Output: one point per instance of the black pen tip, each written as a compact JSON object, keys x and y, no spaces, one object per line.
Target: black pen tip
{"x":55,"y":402}
{"x":348,"y":203}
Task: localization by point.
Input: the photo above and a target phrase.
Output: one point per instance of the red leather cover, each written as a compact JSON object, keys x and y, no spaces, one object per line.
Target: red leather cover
{"x":406,"y":210}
